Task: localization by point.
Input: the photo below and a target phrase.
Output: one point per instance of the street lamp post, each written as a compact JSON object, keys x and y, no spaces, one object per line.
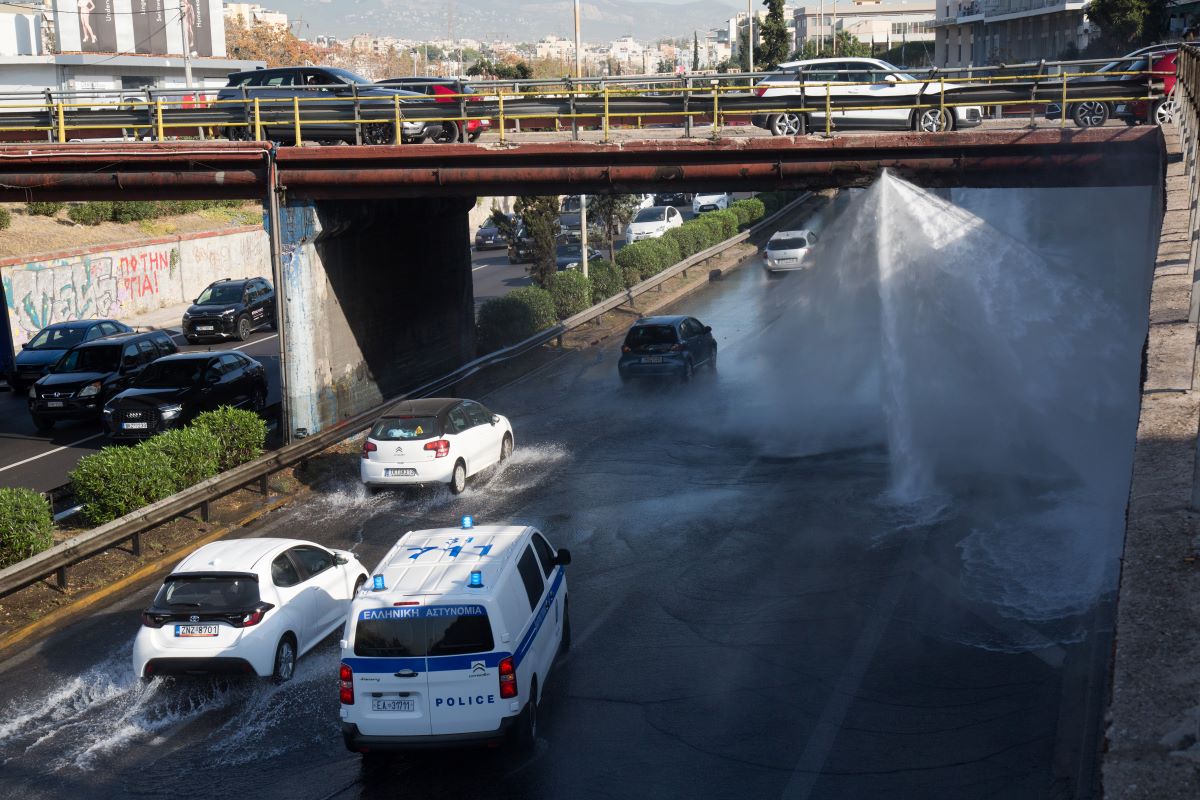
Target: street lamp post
{"x":749,"y":35}
{"x":583,"y":225}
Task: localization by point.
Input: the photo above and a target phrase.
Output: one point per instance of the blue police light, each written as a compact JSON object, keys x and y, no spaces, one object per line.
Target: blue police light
{"x":476,"y":579}
{"x":468,"y":522}
{"x":377,"y":583}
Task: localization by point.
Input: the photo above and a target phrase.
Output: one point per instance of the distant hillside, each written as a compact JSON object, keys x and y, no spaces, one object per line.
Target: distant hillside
{"x":512,"y":20}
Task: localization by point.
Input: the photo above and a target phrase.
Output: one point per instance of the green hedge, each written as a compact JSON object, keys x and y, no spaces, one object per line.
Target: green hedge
{"x":514,"y":317}
{"x":134,"y":210}
{"x":607,"y":280}
{"x":240,"y":434}
{"x":44,"y":209}
{"x":571,"y":292}
{"x":193,"y":453}
{"x":689,"y":238}
{"x":91,"y":213}
{"x":118,"y":480}
{"x":5,"y":218}
{"x":26,"y":525}
{"x":714,"y":229}
{"x":749,"y":211}
{"x":728,"y":219}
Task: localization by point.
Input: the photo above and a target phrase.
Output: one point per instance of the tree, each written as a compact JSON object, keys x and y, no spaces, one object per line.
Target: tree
{"x":506,"y":224}
{"x":501,"y":70}
{"x":847,"y":45}
{"x":539,"y":214}
{"x":695,"y":51}
{"x":1126,"y":24}
{"x":614,"y":212}
{"x":744,"y":51}
{"x":274,"y":44}
{"x":665,"y":65}
{"x":773,"y":35}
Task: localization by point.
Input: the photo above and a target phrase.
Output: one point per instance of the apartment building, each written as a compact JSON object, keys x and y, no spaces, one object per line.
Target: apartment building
{"x":982,"y":32}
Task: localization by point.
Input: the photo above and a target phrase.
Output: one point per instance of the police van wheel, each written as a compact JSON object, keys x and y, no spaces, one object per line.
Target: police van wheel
{"x":527,"y":733}
{"x":458,"y":480}
{"x":285,"y":660}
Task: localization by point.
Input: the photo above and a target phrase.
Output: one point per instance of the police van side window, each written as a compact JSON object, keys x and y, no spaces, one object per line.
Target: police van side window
{"x":545,"y":554}
{"x":531,"y":577}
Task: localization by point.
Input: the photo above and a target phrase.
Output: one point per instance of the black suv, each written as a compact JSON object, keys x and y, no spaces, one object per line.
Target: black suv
{"x":172,"y":391}
{"x":230,"y":308}
{"x":324,"y":91}
{"x":83,"y":380}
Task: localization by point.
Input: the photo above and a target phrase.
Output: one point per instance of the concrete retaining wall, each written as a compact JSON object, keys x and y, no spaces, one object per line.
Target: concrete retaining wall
{"x":123,"y":281}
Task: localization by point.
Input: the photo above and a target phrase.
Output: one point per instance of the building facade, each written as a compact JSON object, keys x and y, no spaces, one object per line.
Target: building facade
{"x":972,"y":33}
{"x":883,"y":25}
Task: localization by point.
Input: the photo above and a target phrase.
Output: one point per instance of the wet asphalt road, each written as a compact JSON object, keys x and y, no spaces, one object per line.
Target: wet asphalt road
{"x":746,"y":624}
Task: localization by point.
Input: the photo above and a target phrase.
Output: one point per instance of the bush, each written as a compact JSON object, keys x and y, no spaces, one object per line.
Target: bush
{"x":714,"y":229}
{"x":240,"y":434}
{"x":607,"y":280}
{"x":91,"y":213}
{"x":753,"y":208}
{"x":44,"y":209}
{"x":689,"y":240}
{"x":26,"y":525}
{"x":639,"y":261}
{"x":118,"y":480}
{"x":514,"y":317}
{"x":170,"y":208}
{"x":672,"y":253}
{"x":571,"y":292}
{"x":5,"y":218}
{"x":729,"y":219}
{"x":193,"y":453}
{"x":134,"y":210}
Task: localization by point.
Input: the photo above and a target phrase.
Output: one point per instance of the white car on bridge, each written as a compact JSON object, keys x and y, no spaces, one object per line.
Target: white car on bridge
{"x":246,"y":606}
{"x":434,"y":440}
{"x":652,"y":222}
{"x":868,"y":81}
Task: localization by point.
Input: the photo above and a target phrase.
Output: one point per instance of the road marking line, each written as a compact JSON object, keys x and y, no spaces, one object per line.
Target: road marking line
{"x":485,"y":266}
{"x":52,"y":452}
{"x":257,"y":341}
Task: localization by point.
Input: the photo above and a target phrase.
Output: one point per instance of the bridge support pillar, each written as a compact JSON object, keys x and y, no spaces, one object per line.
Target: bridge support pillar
{"x":377,"y":301}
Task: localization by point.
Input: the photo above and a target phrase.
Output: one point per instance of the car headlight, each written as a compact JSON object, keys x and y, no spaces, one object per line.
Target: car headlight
{"x":170,"y":412}
{"x":107,"y":411}
{"x":33,"y":393}
{"x":572,"y":265}
{"x":91,"y":390}
{"x":229,"y":312}
{"x":186,"y":315}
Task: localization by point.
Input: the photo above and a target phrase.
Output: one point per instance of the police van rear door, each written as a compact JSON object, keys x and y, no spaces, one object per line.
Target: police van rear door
{"x":391,"y":680}
{"x":464,"y":680}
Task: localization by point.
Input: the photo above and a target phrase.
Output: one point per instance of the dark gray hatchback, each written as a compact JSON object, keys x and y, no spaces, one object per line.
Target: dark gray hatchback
{"x":666,"y":346}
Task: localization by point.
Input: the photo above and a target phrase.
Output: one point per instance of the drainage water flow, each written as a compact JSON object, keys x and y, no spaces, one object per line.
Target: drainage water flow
{"x":997,"y":363}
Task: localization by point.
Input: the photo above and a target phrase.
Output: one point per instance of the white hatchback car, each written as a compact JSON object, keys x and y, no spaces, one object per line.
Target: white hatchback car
{"x":248,"y":606}
{"x":787,"y":250}
{"x":652,"y":222}
{"x":434,"y":440}
{"x":709,"y":202}
{"x":867,"y":82}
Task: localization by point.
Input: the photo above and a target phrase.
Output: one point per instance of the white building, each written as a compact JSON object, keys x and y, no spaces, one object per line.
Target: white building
{"x":627,"y":51}
{"x":247,"y":14}
{"x":880,"y":24}
{"x":983,"y":32}
{"x":556,"y":48}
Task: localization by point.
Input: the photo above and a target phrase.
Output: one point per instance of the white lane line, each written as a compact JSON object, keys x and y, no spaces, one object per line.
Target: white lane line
{"x":52,"y":452}
{"x":256,"y":341}
{"x":485,"y":266}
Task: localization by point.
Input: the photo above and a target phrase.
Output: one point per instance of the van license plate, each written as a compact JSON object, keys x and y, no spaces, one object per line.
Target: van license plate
{"x":389,"y":472}
{"x":135,"y":426}
{"x":401,"y":705}
{"x":204,"y":327}
{"x":189,"y":631}
{"x":651,"y":359}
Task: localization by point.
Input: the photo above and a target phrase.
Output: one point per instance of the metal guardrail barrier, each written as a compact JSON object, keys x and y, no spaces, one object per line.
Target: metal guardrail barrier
{"x":386,"y":114}
{"x":57,"y":559}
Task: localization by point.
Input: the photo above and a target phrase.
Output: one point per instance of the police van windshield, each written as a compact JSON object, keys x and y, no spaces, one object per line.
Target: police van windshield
{"x":399,"y":429}
{"x":423,"y":631}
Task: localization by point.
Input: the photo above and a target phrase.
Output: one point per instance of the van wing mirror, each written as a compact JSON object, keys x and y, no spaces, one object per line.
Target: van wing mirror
{"x":562,"y":558}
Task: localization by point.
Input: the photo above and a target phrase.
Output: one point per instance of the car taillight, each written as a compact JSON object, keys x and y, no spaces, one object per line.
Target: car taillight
{"x":508,"y":678}
{"x":346,"y":685}
{"x":675,"y":348}
{"x":153,"y":620}
{"x":626,"y":349}
{"x":440,"y":447}
{"x":368,"y":447}
{"x":760,"y":90}
{"x":252,"y":617}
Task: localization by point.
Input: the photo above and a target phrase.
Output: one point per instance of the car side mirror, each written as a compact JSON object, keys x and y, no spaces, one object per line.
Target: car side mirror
{"x":708,"y":329}
{"x":495,"y":418}
{"x":562,"y":558}
{"x":340,"y":559}
{"x":24,"y":345}
{"x":890,"y":78}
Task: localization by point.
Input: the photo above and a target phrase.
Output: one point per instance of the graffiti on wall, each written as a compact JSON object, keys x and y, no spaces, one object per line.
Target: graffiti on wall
{"x":140,"y":271}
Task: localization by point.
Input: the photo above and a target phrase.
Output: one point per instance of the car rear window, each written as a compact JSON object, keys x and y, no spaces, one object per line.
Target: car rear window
{"x":423,"y":631}
{"x":398,"y":429}
{"x":208,"y":593}
{"x":787,"y":243}
{"x":651,"y":334}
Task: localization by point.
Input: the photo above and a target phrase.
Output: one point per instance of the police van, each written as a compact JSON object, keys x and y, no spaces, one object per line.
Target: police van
{"x":451,"y":641}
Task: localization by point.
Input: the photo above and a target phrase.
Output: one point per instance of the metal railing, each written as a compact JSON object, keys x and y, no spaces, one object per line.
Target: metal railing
{"x":380,"y":114}
{"x":57,"y":559}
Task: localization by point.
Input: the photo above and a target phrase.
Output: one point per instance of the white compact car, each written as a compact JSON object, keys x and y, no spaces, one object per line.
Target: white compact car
{"x":709,"y":202}
{"x":652,"y":222}
{"x":248,"y":606}
{"x":787,"y":250}
{"x":452,"y":642}
{"x":867,"y":81}
{"x":434,"y":440}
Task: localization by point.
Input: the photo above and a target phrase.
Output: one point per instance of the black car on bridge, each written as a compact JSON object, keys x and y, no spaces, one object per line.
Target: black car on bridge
{"x":173,"y":390}
{"x":333,"y":96}
{"x":78,"y":386}
{"x":230,"y":309}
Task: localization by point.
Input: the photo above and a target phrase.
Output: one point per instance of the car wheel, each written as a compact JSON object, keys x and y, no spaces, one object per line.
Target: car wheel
{"x":528,"y":729}
{"x":243,"y":329}
{"x":506,"y":448}
{"x":458,"y":479}
{"x":474,"y":135}
{"x":788,"y":124}
{"x":285,"y":660}
{"x":42,"y":424}
{"x":379,"y":133}
{"x":933,"y":120}
{"x":447,"y":134}
{"x":1090,"y":114}
{"x":1167,"y":112}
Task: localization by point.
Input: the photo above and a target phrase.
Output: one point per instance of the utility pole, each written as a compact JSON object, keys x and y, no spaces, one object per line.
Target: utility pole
{"x":821,"y":30}
{"x":187,"y":47}
{"x":583,"y":226}
{"x":833,"y":29}
{"x":750,"y":36}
